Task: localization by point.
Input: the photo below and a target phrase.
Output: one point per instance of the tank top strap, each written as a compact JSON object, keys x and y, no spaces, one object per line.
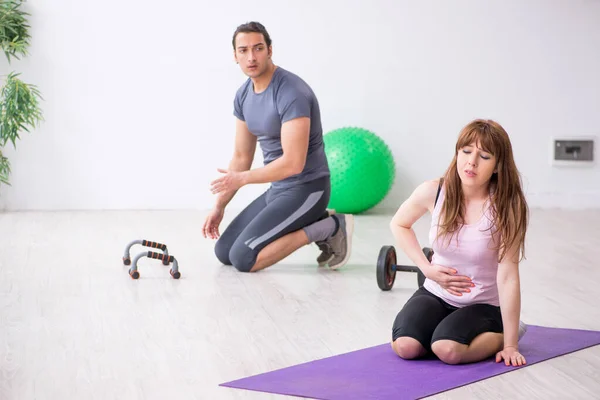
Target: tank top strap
{"x":439,"y":200}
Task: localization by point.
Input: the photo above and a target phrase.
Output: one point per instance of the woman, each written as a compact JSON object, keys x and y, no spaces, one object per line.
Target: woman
{"x":468,"y":309}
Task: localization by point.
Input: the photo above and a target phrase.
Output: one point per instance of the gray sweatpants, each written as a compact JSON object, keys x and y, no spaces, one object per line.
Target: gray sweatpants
{"x":272,"y":215}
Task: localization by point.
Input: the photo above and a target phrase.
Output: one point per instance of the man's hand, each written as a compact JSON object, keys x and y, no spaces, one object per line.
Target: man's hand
{"x":230,"y":182}
{"x":447,"y":278}
{"x":212,"y":222}
{"x":511,"y":356}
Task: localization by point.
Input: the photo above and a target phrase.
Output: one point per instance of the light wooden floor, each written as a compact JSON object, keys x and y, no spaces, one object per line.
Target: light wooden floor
{"x":73,"y":325}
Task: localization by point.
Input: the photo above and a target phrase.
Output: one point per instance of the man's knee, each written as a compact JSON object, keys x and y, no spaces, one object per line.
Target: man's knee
{"x":242,"y":257}
{"x":222,"y":251}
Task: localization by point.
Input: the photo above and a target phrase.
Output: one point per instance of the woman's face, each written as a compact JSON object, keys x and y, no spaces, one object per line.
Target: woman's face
{"x":474,"y":165}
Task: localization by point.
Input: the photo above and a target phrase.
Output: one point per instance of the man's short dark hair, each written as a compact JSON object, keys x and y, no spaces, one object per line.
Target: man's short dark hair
{"x":255,"y":27}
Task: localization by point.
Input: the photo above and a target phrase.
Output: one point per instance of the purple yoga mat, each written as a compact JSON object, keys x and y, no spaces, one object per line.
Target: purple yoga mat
{"x":377,"y":373}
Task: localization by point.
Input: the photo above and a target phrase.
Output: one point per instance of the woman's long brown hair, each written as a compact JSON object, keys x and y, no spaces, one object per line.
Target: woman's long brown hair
{"x":508,"y":205}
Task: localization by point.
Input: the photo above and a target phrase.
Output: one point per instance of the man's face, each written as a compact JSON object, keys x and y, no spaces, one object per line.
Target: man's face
{"x":252,"y":53}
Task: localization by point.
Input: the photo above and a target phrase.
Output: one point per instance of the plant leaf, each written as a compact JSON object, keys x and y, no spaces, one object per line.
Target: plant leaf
{"x":19,"y":109}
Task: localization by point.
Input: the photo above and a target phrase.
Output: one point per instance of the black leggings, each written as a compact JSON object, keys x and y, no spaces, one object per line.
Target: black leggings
{"x":427,"y":318}
{"x":272,"y":215}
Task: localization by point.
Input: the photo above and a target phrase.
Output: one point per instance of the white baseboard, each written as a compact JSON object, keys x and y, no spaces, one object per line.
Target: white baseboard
{"x":540,"y":200}
{"x":567,"y":201}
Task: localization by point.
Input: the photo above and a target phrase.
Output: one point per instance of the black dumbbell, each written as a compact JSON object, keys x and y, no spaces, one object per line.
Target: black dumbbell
{"x":387,"y":267}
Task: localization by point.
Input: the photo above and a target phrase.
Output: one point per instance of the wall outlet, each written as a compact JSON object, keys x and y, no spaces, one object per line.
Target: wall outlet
{"x":573,"y":151}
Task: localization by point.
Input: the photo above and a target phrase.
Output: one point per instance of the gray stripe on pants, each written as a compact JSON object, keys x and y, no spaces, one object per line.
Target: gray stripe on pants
{"x":310,"y":202}
{"x":249,"y":240}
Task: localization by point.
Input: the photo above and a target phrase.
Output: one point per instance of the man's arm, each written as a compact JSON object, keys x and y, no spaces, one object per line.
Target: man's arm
{"x":294,"y":109}
{"x":509,"y":290}
{"x":294,"y":142}
{"x":243,"y":155}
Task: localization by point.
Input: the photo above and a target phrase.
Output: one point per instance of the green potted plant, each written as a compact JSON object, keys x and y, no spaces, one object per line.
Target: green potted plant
{"x":19,"y":101}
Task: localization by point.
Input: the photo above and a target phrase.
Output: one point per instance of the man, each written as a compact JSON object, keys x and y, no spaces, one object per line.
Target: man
{"x":279,"y":110}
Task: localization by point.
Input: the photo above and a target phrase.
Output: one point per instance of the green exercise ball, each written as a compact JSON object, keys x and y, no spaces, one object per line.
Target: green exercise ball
{"x":362,"y":169}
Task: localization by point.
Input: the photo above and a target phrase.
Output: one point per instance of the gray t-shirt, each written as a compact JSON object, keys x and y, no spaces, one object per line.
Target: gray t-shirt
{"x":287,"y":97}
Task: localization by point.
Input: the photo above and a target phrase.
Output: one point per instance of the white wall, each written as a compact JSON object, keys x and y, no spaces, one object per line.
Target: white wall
{"x":138,"y":94}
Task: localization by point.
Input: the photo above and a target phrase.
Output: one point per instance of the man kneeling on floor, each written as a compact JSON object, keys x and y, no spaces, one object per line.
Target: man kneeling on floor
{"x":279,"y":110}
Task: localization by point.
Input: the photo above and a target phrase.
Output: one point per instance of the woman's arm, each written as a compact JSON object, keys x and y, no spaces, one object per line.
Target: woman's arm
{"x":419,"y":202}
{"x":509,"y":290}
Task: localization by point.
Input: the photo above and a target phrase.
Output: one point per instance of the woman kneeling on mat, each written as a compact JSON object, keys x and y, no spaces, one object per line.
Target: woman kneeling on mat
{"x":468,"y":309}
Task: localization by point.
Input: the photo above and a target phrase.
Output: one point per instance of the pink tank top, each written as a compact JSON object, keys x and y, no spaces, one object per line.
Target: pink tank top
{"x":474,"y":257}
